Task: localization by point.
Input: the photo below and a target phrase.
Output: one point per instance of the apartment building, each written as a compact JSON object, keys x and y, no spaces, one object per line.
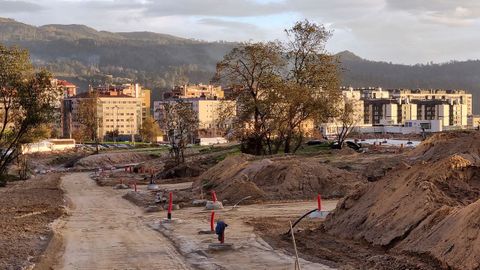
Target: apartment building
{"x":119,"y":108}
{"x":146,"y":103}
{"x":207,"y":91}
{"x":437,"y":109}
{"x":207,"y":111}
{"x":395,"y":107}
{"x":355,"y":98}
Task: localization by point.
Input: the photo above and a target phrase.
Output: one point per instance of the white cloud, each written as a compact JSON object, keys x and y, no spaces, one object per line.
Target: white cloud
{"x":7,"y":6}
{"x":406,"y":31}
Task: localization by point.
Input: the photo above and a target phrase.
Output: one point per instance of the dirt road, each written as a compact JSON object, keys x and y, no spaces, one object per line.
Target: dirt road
{"x":105,"y":231}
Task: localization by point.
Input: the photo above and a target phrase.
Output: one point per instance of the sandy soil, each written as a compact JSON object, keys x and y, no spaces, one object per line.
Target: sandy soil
{"x":26,"y":210}
{"x":105,"y":231}
{"x":251,"y":251}
{"x":277,"y":178}
{"x":427,"y":208}
{"x":109,"y":159}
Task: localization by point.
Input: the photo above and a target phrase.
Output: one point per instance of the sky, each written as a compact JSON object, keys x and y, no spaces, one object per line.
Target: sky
{"x":398,"y":31}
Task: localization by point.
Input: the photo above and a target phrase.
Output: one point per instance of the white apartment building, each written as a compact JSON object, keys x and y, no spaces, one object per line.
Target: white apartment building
{"x":400,"y":107}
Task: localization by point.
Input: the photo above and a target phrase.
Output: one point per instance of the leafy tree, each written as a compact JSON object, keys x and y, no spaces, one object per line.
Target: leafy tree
{"x":252,"y":68}
{"x":312,"y":88}
{"x":180,"y":123}
{"x":282,"y":87}
{"x":79,"y":135}
{"x":27,"y":101}
{"x":150,"y":130}
{"x":87,"y":116}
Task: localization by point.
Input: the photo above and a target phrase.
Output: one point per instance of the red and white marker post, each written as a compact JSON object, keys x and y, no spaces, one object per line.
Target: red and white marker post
{"x":212,"y":217}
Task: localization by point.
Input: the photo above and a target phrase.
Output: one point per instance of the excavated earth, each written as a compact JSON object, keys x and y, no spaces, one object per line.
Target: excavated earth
{"x":27,"y":208}
{"x":107,"y":160}
{"x":428,"y":207}
{"x":277,"y":178}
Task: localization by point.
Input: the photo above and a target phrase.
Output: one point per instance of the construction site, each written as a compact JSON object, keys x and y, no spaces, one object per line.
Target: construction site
{"x":386,"y":206}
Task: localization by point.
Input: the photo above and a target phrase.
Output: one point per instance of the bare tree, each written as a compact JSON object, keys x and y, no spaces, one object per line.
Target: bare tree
{"x":180,"y":123}
{"x":345,"y":121}
{"x":27,"y":101}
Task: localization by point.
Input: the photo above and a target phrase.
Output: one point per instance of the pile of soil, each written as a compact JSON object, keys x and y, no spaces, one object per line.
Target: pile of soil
{"x":108,"y":160}
{"x":279,"y":178}
{"x":27,"y":209}
{"x":317,"y":246}
{"x":181,"y":171}
{"x":429,"y":209}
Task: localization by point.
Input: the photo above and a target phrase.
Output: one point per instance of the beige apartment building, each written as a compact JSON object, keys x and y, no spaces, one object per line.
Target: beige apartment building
{"x":207,"y":91}
{"x":146,"y":103}
{"x":121,"y":108}
{"x":207,"y":111}
{"x":114,"y":112}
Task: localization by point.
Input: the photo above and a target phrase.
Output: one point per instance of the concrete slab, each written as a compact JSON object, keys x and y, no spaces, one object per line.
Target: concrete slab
{"x":319,"y":214}
{"x":220,"y":247}
{"x":153,"y":187}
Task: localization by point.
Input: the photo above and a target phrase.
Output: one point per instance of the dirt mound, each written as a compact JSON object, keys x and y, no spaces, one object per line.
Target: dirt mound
{"x":428,"y":209}
{"x":182,"y":171}
{"x":107,"y":160}
{"x":442,"y":145}
{"x":276,"y":179}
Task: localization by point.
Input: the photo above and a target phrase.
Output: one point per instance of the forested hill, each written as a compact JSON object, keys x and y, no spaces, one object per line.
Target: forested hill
{"x":84,"y":55}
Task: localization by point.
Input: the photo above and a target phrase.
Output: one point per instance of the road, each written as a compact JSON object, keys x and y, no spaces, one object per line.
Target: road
{"x":105,"y":231}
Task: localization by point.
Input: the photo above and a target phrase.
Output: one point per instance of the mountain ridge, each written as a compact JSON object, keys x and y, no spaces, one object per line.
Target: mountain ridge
{"x":86,"y":56}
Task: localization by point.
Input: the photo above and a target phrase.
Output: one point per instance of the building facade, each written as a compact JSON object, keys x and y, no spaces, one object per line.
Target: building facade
{"x":206,"y":110}
{"x":118,"y":109}
{"x":207,"y":91}
{"x":410,"y":109}
{"x":395,"y":107}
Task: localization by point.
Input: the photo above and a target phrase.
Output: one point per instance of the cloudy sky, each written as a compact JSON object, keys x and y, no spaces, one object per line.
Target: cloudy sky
{"x":400,"y":31}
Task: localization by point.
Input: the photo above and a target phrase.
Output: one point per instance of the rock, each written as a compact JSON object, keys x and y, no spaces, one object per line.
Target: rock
{"x":214,"y":206}
{"x":121,"y":186}
{"x":199,"y":202}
